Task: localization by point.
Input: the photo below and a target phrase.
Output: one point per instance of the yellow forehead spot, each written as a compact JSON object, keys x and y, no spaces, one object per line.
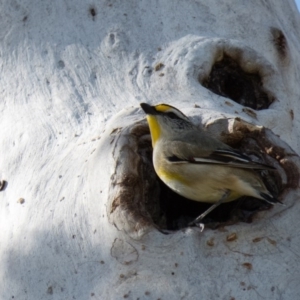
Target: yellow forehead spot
{"x":154,"y":129}
{"x":162,"y":107}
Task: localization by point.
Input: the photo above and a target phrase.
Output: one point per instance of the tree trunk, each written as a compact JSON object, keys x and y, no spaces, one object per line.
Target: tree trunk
{"x":83,"y":215}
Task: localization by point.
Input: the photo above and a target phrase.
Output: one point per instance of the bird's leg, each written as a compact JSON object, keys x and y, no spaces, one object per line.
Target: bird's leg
{"x":203,"y":215}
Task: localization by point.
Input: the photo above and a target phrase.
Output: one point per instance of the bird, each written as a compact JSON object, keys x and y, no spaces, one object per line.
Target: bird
{"x":198,"y":166}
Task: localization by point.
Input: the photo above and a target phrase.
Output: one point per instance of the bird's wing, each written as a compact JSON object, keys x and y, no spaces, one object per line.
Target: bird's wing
{"x":182,"y":152}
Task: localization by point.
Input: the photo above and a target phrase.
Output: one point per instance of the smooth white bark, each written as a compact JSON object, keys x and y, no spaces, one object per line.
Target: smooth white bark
{"x":67,"y":70}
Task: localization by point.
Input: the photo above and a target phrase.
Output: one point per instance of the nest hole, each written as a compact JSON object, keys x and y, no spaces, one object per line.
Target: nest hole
{"x":139,"y":201}
{"x":178,"y":211}
{"x":228,"y":79}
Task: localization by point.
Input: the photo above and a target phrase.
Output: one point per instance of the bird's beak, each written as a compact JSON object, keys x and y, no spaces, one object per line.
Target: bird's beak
{"x":148,"y":109}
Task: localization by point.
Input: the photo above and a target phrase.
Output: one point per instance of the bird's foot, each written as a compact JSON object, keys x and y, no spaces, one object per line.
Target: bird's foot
{"x":201,"y":226}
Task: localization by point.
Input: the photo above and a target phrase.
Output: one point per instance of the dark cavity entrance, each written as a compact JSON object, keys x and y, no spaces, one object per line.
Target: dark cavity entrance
{"x":178,"y":211}
{"x":229,"y":80}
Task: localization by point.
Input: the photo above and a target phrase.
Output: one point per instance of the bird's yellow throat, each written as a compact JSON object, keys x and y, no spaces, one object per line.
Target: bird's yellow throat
{"x":154,"y":129}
